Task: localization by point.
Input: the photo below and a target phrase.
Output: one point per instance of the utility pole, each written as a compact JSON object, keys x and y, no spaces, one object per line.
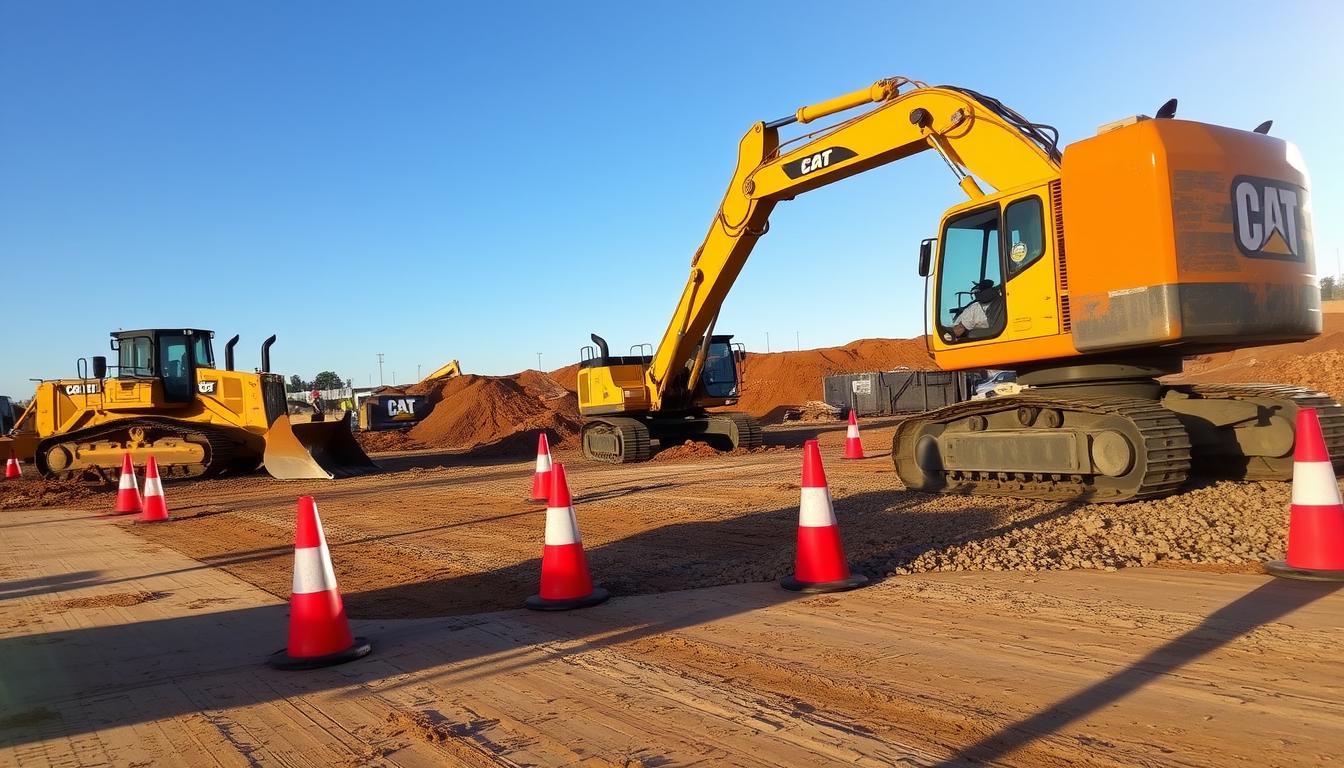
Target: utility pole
{"x":380,"y":369}
{"x":767,"y":341}
{"x":417,"y":371}
{"x":538,"y":361}
{"x":394,"y":378}
{"x":797,"y":343}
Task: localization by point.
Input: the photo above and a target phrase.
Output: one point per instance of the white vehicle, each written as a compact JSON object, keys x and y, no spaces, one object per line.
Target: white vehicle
{"x":989,"y":387}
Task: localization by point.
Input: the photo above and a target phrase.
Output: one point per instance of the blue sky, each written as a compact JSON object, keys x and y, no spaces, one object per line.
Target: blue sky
{"x":485,"y":182}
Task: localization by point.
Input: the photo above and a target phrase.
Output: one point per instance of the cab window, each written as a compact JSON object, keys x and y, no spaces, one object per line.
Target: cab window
{"x":133,"y":357}
{"x":202,"y":352}
{"x":1022,"y":222}
{"x":970,"y":279}
{"x":720,"y":374}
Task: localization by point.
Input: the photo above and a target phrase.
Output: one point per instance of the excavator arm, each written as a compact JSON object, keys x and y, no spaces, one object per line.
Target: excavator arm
{"x":978,"y":137}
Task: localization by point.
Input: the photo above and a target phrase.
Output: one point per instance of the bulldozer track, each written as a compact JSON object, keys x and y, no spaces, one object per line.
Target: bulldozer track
{"x":222,"y":453}
{"x":1163,"y":447}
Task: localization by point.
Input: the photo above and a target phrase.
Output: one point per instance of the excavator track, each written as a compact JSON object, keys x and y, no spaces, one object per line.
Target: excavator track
{"x":1286,"y":400}
{"x":95,"y":453}
{"x":744,"y":432}
{"x":1119,"y":449}
{"x":616,"y":440}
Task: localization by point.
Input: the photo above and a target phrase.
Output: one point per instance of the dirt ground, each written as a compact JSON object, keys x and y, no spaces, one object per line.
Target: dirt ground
{"x":447,"y":534}
{"x":120,"y":651}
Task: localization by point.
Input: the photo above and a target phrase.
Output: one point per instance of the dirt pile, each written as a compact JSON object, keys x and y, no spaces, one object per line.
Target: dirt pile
{"x":693,"y":450}
{"x":776,"y":381}
{"x":498,"y":412}
{"x":1227,"y":526}
{"x":1317,"y":363}
{"x":30,"y":493}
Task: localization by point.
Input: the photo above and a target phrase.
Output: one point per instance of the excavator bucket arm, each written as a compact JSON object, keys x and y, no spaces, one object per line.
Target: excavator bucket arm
{"x":319,"y":450}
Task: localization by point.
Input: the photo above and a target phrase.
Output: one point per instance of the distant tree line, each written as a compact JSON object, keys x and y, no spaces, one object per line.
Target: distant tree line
{"x":1329,"y":290}
{"x":323,"y":381}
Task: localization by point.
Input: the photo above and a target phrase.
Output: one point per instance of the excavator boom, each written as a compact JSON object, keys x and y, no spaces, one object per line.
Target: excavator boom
{"x":968,"y":130}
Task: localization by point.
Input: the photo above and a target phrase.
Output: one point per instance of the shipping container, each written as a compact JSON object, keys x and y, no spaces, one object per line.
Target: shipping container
{"x":890,"y":392}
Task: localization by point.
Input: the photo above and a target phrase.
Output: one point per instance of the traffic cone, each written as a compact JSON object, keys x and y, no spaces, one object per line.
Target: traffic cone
{"x":128,"y":491}
{"x":155,"y":508}
{"x":319,"y":632}
{"x":853,"y":445}
{"x":565,"y":582}
{"x":820,"y":564}
{"x":541,"y":478}
{"x":13,"y":469}
{"x":1316,"y":519}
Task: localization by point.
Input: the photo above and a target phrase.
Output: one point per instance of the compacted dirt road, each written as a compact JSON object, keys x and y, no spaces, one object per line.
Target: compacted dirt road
{"x":997,"y":631}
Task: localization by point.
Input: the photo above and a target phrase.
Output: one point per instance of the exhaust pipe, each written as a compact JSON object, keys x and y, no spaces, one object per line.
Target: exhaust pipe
{"x":266,"y":354}
{"x":601,"y":346}
{"x":228,"y":353}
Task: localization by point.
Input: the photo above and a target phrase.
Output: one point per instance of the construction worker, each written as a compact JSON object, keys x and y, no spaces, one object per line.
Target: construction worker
{"x":316,"y":398}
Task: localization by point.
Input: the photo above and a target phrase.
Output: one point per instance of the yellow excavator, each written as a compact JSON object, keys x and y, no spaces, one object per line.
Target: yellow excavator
{"x":1092,"y":271}
{"x":169,"y":400}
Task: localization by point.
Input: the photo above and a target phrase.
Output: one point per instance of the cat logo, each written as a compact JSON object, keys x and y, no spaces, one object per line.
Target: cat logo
{"x":817,"y":160}
{"x":81,"y":389}
{"x":401,"y":410}
{"x":1268,"y":218}
{"x":205,"y":387}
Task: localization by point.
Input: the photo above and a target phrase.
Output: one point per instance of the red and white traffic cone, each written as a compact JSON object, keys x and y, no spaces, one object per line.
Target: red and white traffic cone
{"x":155,"y":508}
{"x":13,"y":469}
{"x":128,"y":491}
{"x":820,"y":563}
{"x":565,"y":582}
{"x":541,"y":478}
{"x":319,"y":632}
{"x":1316,"y":518}
{"x":853,"y":445}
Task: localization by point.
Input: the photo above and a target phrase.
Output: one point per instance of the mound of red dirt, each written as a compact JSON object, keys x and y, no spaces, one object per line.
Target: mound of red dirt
{"x":1316,"y":363}
{"x":497,"y":411}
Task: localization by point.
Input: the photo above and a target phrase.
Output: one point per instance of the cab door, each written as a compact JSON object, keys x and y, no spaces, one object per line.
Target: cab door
{"x":995,"y":281}
{"x":176,"y":369}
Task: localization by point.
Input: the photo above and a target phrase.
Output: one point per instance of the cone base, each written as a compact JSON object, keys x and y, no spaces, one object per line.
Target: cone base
{"x":538,"y":603}
{"x":853,"y":458}
{"x":853,"y":582}
{"x":282,"y":660}
{"x":1283,"y":570}
{"x":143,"y":521}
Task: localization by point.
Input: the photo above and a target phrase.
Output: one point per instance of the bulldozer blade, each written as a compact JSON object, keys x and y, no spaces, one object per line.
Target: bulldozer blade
{"x":314,"y":450}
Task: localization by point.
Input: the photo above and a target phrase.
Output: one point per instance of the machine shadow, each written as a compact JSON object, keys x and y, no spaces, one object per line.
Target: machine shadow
{"x":1267,"y":603}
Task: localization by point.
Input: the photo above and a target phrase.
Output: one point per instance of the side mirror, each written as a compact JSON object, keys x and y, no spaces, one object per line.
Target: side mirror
{"x":99,"y":367}
{"x":926,"y":255}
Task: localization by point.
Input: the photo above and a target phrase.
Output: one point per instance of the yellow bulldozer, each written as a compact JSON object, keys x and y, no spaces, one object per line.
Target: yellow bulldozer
{"x":168,"y":399}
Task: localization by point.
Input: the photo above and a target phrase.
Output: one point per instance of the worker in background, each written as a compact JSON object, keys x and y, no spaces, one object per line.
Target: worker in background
{"x":317,"y":401}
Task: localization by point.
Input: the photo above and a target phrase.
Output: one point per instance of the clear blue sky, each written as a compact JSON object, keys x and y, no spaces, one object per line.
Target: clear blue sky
{"x":485,"y":182}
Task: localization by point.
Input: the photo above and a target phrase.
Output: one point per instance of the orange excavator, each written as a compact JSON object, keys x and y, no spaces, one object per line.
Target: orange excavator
{"x":1091,"y":270}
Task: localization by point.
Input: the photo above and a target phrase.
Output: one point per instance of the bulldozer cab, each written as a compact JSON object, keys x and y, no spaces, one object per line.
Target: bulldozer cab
{"x":170,"y":355}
